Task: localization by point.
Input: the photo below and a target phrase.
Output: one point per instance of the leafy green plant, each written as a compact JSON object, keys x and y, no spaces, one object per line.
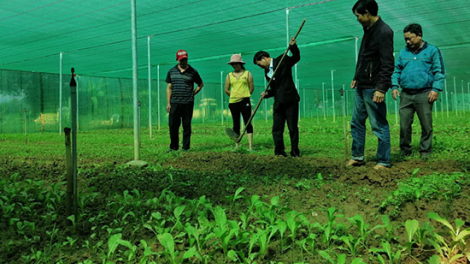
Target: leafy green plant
{"x":456,"y":248}
{"x":393,"y":257}
{"x":340,"y":259}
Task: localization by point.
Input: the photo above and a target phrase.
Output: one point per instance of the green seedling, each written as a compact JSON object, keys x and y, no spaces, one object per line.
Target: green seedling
{"x":393,"y":257}
{"x":411,"y":227}
{"x":352,"y":244}
{"x":308,"y":244}
{"x":282,"y":227}
{"x":363,"y":228}
{"x":390,"y":228}
{"x":340,"y":259}
{"x":456,"y":248}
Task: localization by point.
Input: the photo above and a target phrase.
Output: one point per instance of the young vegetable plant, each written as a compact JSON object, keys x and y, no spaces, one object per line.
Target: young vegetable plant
{"x":393,"y":257}
{"x":456,"y":248}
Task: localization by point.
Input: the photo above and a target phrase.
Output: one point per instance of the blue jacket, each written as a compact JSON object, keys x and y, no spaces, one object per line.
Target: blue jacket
{"x":422,"y":70}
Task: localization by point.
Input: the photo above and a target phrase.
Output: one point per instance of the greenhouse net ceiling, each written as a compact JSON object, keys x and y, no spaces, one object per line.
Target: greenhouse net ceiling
{"x":94,"y":36}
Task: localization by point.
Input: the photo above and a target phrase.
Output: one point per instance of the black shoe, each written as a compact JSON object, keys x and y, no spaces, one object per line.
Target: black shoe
{"x":405,"y":153}
{"x":425,"y":155}
{"x":280,"y":154}
{"x":184,"y":150}
{"x":295,"y":154}
{"x":170,"y":150}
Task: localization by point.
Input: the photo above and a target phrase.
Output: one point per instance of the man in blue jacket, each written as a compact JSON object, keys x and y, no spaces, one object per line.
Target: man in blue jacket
{"x":420,"y":72}
{"x":372,"y":80}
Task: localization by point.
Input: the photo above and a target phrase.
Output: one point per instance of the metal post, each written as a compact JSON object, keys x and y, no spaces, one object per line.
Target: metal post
{"x":149,"y":66}
{"x":158,"y":96}
{"x":305,"y":102}
{"x":73,"y":96}
{"x":463,"y":98}
{"x":135,"y":83}
{"x":333,"y":95}
{"x":25,"y":117}
{"x":468,"y":91}
{"x":455,"y":96}
{"x":323,"y":102}
{"x":265,"y":103}
{"x":396,"y":112}
{"x":78,"y":102}
{"x":447,"y":98}
{"x":60,"y":91}
{"x":287,"y":27}
{"x":355,"y":48}
{"x":222,"y":96}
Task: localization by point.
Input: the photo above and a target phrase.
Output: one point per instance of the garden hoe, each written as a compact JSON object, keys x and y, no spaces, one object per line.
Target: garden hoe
{"x":234,"y":136}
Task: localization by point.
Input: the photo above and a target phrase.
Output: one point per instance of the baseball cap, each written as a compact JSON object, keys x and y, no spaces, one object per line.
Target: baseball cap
{"x":181,"y":54}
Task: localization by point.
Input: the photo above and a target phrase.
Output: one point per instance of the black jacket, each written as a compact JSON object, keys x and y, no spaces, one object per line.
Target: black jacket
{"x":375,"y":63}
{"x":282,"y":86}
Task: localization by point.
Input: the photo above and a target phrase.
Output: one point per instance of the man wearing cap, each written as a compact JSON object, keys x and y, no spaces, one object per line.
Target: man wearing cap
{"x":286,"y":97}
{"x":180,"y":99}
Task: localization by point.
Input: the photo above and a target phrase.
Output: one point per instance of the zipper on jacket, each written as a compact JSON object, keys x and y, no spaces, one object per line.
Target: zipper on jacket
{"x":370,"y":71}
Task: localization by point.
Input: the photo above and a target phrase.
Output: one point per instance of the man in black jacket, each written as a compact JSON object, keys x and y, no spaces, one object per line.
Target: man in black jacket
{"x":286,"y":97}
{"x":374,"y":70}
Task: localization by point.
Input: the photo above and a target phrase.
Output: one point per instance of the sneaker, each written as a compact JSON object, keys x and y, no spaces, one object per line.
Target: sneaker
{"x":381,"y":167}
{"x":281,"y":154}
{"x":355,"y":163}
{"x":170,"y":150}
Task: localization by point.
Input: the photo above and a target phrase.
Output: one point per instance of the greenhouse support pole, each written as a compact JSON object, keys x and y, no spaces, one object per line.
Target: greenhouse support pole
{"x":135,"y":92}
{"x":435,"y":109}
{"x":78,"y":98}
{"x":149,"y":66}
{"x":265,"y":103}
{"x":287,"y":28}
{"x":323,"y":102}
{"x":396,"y":112}
{"x":333,"y":94}
{"x":73,"y":95}
{"x":135,"y":81}
{"x":305,"y":101}
{"x":355,"y":49}
{"x":447,"y":97}
{"x":222,"y":96}
{"x":60,"y":91}
{"x":455,"y":98}
{"x":158,"y":96}
{"x":345,"y":128}
{"x":463,"y":98}
{"x":468,"y":94}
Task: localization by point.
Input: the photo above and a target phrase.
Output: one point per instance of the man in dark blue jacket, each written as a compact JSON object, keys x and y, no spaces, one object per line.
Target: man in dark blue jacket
{"x":286,"y":97}
{"x":420,"y":72}
{"x":372,"y":80}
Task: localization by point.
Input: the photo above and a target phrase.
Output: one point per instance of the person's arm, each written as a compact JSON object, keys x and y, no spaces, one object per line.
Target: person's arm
{"x":396,"y":77}
{"x":251,"y":86}
{"x":292,"y":60}
{"x":198,"y":88}
{"x":386,"y":61}
{"x":227,"y":85}
{"x":199,"y":82}
{"x":168,"y":97}
{"x":438,"y":71}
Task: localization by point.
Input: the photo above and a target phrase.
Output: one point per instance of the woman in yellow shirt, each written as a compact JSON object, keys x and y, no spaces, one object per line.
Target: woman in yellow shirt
{"x":239,"y":86}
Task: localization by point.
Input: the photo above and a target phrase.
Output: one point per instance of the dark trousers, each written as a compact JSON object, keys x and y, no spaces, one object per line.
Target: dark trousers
{"x":283,"y":113}
{"x":409,"y":105}
{"x":178,"y":113}
{"x":241,"y":108}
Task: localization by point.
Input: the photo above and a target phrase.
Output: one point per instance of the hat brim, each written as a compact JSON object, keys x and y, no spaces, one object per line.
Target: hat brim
{"x":183,"y":57}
